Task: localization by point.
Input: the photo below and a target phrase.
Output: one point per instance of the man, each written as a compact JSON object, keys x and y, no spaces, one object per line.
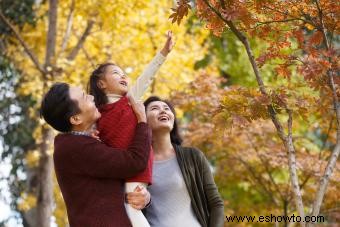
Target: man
{"x":90,"y":174}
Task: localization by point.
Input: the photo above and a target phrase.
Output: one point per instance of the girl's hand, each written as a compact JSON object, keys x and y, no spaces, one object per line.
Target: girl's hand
{"x":138,"y":108}
{"x":139,"y":198}
{"x":169,"y":44}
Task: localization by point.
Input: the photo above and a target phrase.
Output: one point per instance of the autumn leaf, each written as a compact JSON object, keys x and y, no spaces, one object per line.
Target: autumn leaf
{"x":316,"y":38}
{"x":181,"y":11}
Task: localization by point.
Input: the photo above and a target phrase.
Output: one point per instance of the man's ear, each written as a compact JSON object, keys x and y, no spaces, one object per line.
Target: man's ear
{"x":101,"y":84}
{"x":76,"y":120}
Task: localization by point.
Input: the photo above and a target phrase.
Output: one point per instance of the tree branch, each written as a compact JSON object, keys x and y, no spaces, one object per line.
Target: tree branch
{"x":287,"y":14}
{"x":51,"y":33}
{"x":325,"y":140}
{"x":29,"y":52}
{"x":81,"y":41}
{"x":258,"y":179}
{"x":88,"y":58}
{"x":68,"y":26}
{"x":292,"y":166}
{"x":260,"y":23}
{"x":265,"y":164}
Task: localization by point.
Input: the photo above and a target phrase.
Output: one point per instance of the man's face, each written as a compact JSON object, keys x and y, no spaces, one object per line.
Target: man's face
{"x":89,"y":114}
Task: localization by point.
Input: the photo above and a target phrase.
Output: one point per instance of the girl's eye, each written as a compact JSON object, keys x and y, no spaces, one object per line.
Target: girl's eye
{"x":154,"y":108}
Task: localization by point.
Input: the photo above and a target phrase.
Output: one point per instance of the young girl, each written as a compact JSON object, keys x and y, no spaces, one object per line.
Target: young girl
{"x":109,"y":86}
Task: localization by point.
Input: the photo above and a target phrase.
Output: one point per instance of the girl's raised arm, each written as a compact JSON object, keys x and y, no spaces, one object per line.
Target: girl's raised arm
{"x":146,"y":78}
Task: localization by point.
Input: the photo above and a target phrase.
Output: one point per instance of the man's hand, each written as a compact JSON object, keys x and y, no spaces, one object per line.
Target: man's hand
{"x":168,"y":44}
{"x":139,"y":198}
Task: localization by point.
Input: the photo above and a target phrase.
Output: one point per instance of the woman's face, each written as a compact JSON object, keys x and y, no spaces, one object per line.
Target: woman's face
{"x":159,"y":116}
{"x":114,"y":81}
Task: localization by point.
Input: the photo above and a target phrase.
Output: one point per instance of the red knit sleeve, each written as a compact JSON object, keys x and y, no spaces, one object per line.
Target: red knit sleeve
{"x":96,"y":159}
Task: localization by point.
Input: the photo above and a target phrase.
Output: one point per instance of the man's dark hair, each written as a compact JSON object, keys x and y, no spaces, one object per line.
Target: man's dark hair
{"x":57,"y":107}
{"x":174,"y":134}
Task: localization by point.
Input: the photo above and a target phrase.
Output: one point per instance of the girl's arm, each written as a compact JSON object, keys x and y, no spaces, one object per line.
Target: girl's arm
{"x":146,"y":78}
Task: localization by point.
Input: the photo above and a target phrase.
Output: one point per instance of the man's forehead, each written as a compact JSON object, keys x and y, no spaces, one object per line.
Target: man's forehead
{"x":76,"y":92}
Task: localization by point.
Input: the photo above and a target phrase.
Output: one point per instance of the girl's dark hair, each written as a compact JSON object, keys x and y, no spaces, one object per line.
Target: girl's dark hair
{"x":174,"y":134}
{"x":99,"y":95}
{"x":57,"y":107}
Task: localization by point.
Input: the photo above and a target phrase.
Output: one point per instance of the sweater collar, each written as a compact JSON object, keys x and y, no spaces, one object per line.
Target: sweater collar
{"x":112,"y":98}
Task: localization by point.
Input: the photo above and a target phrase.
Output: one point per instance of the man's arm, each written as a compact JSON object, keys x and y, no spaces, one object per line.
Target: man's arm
{"x":146,"y":78}
{"x":99,"y":160}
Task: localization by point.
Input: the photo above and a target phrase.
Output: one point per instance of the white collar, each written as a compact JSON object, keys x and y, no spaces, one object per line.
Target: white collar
{"x":112,"y":98}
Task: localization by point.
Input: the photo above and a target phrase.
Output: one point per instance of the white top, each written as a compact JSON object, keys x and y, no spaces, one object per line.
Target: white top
{"x":171,"y":203}
{"x":143,"y":81}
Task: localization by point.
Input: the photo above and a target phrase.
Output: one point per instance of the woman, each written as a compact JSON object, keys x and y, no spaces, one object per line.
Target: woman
{"x":183,"y":192}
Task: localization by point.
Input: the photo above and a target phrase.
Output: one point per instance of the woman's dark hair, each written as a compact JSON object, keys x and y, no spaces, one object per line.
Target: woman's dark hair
{"x":57,"y":107}
{"x":99,"y":95}
{"x":174,"y":134}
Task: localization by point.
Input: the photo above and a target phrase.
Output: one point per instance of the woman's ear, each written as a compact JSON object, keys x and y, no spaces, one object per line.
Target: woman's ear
{"x":75,"y":120}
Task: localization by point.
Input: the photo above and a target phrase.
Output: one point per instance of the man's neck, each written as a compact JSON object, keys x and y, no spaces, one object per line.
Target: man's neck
{"x":83,"y":128}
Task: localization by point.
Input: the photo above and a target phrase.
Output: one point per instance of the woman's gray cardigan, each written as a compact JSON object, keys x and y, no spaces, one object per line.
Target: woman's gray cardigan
{"x":205,"y":198}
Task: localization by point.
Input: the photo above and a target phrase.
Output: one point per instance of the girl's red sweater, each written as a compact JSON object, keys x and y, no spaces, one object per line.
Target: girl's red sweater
{"x":117,"y":127}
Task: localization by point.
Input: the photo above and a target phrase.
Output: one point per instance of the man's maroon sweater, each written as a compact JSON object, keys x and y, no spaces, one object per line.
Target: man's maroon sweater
{"x":91,"y":176}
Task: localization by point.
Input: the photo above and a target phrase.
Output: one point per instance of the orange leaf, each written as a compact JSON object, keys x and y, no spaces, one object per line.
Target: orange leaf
{"x":316,"y":38}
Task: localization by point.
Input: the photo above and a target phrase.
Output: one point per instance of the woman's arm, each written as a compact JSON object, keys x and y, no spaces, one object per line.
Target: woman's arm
{"x":146,"y":78}
{"x":215,"y":202}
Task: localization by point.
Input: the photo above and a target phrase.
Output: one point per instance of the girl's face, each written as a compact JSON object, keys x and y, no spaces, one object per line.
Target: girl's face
{"x":159,"y":116}
{"x":114,"y":81}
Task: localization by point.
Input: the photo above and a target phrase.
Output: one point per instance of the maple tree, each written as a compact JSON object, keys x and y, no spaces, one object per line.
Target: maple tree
{"x":246,"y":155}
{"x":300,"y":38}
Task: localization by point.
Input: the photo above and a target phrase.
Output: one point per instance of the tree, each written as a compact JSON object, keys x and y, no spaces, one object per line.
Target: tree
{"x":247,"y":158}
{"x":312,"y":25}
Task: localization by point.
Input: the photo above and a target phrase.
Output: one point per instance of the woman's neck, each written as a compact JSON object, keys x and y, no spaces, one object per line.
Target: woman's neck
{"x":161,"y":144}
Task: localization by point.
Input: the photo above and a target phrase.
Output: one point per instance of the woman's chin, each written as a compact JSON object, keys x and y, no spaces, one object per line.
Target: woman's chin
{"x":163,"y":127}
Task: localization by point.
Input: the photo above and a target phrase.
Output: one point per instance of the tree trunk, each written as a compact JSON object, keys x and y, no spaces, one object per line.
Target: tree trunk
{"x":45,"y":184}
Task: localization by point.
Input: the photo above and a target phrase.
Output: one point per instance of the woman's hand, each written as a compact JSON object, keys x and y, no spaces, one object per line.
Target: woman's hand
{"x":169,"y":44}
{"x":139,"y":198}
